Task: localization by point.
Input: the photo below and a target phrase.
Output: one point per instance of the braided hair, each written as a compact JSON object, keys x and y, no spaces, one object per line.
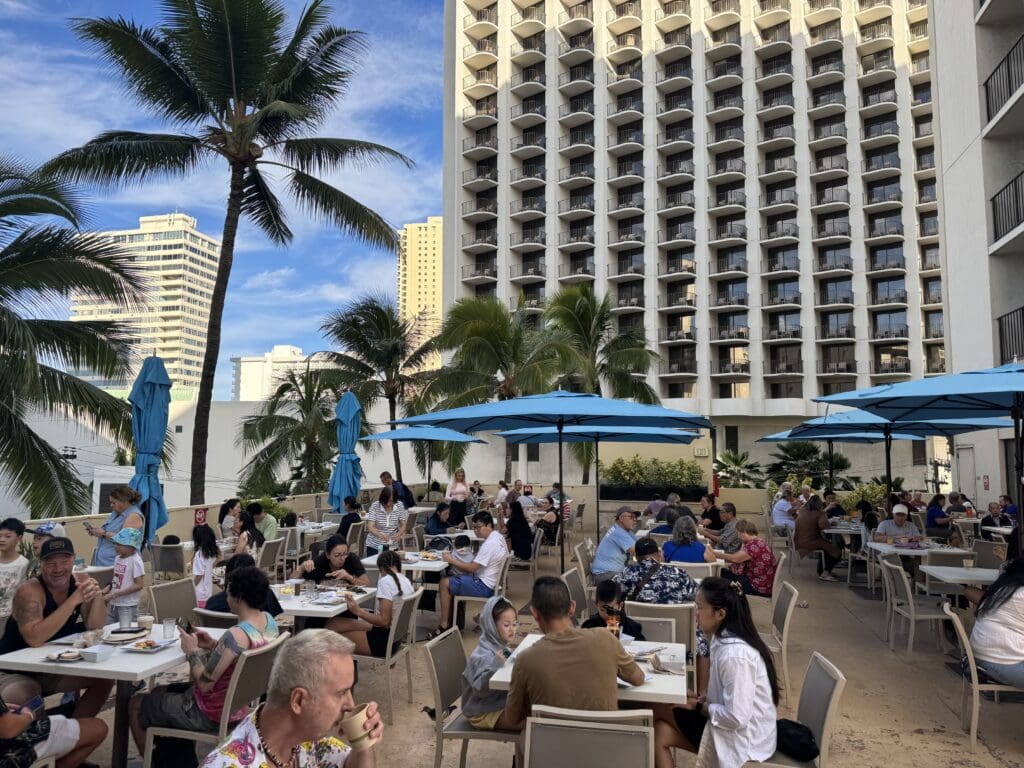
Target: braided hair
{"x":390,"y":564}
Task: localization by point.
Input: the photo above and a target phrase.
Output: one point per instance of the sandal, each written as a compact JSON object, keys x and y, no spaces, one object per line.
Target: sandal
{"x":438,"y":631}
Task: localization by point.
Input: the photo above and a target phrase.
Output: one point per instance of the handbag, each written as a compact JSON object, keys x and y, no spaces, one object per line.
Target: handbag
{"x":795,"y":740}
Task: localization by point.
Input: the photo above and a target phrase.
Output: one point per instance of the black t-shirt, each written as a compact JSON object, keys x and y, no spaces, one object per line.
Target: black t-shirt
{"x":628,"y":625}
{"x":322,"y":566}
{"x":715,"y":517}
{"x":219,"y":602}
{"x":346,"y":522}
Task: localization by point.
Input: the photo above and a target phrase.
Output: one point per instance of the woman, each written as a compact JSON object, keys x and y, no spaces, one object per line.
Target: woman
{"x":385,"y":522}
{"x":808,"y":537}
{"x":937,"y":522}
{"x":351,"y":508}
{"x":754,"y":565}
{"x":516,"y":531}
{"x":229,"y":512}
{"x":710,"y":517}
{"x":669,"y":525}
{"x":336,"y":563}
{"x":477,"y":493}
{"x":684,"y":546}
{"x":456,"y":494}
{"x":370,"y":631}
{"x":868,"y":516}
{"x":124,"y":514}
{"x":997,"y":633}
{"x":249,"y":537}
{"x":438,"y":523}
{"x":736,"y":721}
{"x":203,"y":561}
{"x":499,"y":498}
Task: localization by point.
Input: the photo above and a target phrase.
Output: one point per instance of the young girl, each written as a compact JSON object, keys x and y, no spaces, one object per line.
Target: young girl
{"x":249,"y":537}
{"x":485,"y":708}
{"x":203,"y":560}
{"x":370,"y":631}
{"x":735,"y":722}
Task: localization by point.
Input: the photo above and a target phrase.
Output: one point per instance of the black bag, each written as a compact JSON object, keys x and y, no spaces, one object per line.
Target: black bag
{"x":795,"y":740}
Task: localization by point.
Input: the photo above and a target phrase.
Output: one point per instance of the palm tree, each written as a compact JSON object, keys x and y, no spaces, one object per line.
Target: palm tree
{"x":796,"y":458}
{"x":736,"y":470}
{"x":498,"y":355}
{"x":604,"y":359}
{"x":382,"y":353}
{"x":294,"y":429}
{"x":243,"y":91}
{"x":41,"y":267}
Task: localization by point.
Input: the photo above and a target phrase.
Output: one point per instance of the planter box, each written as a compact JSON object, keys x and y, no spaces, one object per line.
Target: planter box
{"x":688,"y":493}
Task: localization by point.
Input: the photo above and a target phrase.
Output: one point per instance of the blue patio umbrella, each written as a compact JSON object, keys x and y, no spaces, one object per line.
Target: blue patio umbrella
{"x":347,"y":472}
{"x":995,"y":391}
{"x":425,"y":434}
{"x":595,"y":435}
{"x":559,"y":410}
{"x":862,"y":421}
{"x":842,"y":437}
{"x":150,"y":399}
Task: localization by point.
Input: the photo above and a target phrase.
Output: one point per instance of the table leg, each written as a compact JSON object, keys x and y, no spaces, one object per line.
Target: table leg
{"x":119,"y":745}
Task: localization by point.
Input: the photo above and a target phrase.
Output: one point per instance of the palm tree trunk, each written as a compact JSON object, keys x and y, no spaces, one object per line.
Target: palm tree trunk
{"x":393,"y":410}
{"x":201,"y":430}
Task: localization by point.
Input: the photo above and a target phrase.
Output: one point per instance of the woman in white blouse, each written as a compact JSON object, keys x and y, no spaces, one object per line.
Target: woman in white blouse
{"x":385,"y":522}
{"x":736,"y":721}
{"x":998,"y":635}
{"x":456,"y":494}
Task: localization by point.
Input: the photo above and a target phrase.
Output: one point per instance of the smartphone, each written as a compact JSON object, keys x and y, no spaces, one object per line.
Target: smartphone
{"x":186,"y":625}
{"x":34,"y":705}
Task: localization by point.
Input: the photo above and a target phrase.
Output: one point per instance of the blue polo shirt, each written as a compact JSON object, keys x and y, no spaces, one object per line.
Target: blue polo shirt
{"x":613,"y":551}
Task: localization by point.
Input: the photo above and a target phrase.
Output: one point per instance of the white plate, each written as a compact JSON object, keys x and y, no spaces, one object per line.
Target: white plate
{"x":160,"y":645}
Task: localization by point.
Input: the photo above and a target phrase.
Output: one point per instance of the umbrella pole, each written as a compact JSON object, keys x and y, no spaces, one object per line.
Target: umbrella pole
{"x":429,"y":462}
{"x":888,"y":462}
{"x":831,"y":468}
{"x":597,"y":489}
{"x":561,"y":499}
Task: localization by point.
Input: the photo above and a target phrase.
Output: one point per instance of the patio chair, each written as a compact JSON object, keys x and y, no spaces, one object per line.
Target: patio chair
{"x":698,"y":570}
{"x":531,"y":564}
{"x":659,"y":538}
{"x":291,"y":552}
{"x":215,"y":619}
{"x":641,"y":717}
{"x":578,"y":592}
{"x":267,"y":557}
{"x":168,"y":561}
{"x":985,"y":555}
{"x":910,"y":607}
{"x":966,"y":533}
{"x":400,"y":642}
{"x":862,"y":556}
{"x":659,"y":630}
{"x":819,"y":704}
{"x":172,"y":599}
{"x":920,"y":521}
{"x":929,"y":585}
{"x":249,"y":682}
{"x":446,"y":660}
{"x":795,"y":557}
{"x":977,"y":680}
{"x":332,"y":518}
{"x":354,"y":536}
{"x":589,"y":743}
{"x":777,"y":639}
{"x":581,"y":509}
{"x":500,"y":588}
{"x":584,"y":560}
{"x":683,"y":614}
{"x":420,"y":532}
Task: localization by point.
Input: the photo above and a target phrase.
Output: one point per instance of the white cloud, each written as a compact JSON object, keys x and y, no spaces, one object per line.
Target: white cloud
{"x":271,"y":278}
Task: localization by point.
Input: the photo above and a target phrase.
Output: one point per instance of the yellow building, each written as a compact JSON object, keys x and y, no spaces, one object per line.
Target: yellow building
{"x":419,"y":275}
{"x":180,"y":264}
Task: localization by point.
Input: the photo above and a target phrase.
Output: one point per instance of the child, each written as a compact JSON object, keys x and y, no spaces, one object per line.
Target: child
{"x":203,"y":561}
{"x":484,"y":708}
{"x":609,"y":603}
{"x":13,"y":565}
{"x":463,"y":550}
{"x":129,"y":574}
{"x":25,"y":738}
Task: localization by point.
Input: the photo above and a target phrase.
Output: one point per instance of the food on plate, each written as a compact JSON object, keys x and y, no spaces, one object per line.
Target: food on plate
{"x":145,"y":645}
{"x":429,"y":556}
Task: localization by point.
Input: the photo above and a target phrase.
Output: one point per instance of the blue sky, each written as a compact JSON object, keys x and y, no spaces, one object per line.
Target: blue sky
{"x":58,"y":96}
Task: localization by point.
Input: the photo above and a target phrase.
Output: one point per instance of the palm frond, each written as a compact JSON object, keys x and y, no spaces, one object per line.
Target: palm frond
{"x":129,"y":157}
{"x":350,"y":216}
{"x":262,"y":207}
{"x":319,"y":155}
{"x":27,"y":192}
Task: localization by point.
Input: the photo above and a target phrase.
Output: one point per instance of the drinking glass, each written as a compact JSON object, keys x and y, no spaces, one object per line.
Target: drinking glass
{"x":124,"y":616}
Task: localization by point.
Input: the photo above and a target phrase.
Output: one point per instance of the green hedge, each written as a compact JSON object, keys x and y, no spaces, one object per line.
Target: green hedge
{"x":651,"y":472}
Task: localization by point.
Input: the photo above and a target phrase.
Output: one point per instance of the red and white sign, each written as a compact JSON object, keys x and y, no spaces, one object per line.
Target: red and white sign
{"x":984,"y":481}
{"x":201,"y":515}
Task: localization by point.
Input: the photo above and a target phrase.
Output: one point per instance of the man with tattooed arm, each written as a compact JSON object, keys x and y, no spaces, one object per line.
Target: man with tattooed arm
{"x":197,"y":705}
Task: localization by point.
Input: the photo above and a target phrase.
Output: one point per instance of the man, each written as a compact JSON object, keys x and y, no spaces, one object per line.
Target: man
{"x":57,"y":604}
{"x":310,"y":690}
{"x":265,"y":523}
{"x":832,"y":506}
{"x":783,"y":514}
{"x":219,"y":602}
{"x":40,"y":535}
{"x":727,"y":539}
{"x":399,"y":491}
{"x":1009,"y":508}
{"x":13,"y":564}
{"x":655,"y":506}
{"x":783,"y":487}
{"x":956,"y":504}
{"x":616,"y":547}
{"x":477,"y":578}
{"x":568,"y":667}
{"x":552,"y":495}
{"x":995,"y":518}
{"x":918,"y":501}
{"x":515,"y":492}
{"x":526,"y":498}
{"x":899,"y":526}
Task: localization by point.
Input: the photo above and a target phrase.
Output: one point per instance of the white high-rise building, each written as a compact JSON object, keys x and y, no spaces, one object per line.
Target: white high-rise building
{"x":979,"y":75}
{"x":180,"y":266}
{"x":257,"y":376}
{"x":752,"y":182}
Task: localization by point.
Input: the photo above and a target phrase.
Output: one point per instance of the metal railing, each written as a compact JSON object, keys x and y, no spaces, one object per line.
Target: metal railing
{"x":1008,"y":208}
{"x":1011,"y":335}
{"x":1005,"y":79}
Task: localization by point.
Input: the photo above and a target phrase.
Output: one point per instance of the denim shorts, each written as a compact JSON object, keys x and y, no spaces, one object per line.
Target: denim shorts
{"x":469,"y":586}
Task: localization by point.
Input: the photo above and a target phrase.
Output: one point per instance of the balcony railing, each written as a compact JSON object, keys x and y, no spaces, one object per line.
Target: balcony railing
{"x":678,"y":232}
{"x":730,"y":333}
{"x":889,"y":297}
{"x":781,"y":229}
{"x":845,"y":331}
{"x":833,"y":263}
{"x":528,"y":269}
{"x":577,"y":268}
{"x":685,"y":365}
{"x":788,"y":263}
{"x":881,"y":263}
{"x":470,"y":271}
{"x":731,"y":300}
{"x":786,"y":196}
{"x":885,"y":228}
{"x":777,"y":299}
{"x":837,"y":366}
{"x":1011,"y":335}
{"x":1008,"y":208}
{"x":731,"y":367}
{"x":890,"y":332}
{"x":634,"y":234}
{"x":1005,"y":79}
{"x":678,"y":265}
{"x":778,"y":367}
{"x":891,"y":366}
{"x":730,"y":264}
{"x":832,"y":229}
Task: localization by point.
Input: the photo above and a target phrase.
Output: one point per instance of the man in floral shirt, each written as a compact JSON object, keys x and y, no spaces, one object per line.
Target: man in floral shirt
{"x":310,"y":691}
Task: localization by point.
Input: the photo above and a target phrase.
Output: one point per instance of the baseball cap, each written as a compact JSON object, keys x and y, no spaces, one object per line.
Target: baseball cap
{"x":129,"y":537}
{"x":646,"y":546}
{"x":47,"y":529}
{"x":57,"y":546}
{"x":900,"y":509}
{"x":13,"y":524}
{"x":624,"y":511}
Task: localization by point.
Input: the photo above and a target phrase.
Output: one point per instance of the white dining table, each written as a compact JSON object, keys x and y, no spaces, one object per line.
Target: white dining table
{"x":953,"y":575}
{"x":425,"y":566}
{"x":1002,"y":530}
{"x":308,"y":606}
{"x":125,"y":667}
{"x":657,"y":688}
{"x":888,"y":549}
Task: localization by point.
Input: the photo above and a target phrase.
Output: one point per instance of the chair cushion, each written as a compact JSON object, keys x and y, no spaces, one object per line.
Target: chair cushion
{"x":460,"y":728}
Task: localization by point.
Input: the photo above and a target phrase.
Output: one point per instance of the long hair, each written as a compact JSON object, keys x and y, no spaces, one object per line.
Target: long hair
{"x":225,"y":509}
{"x":1005,"y":587}
{"x":205,"y":540}
{"x":684,"y":532}
{"x":249,"y":527}
{"x":390,"y":564}
{"x":938,"y":500}
{"x":727,"y":595}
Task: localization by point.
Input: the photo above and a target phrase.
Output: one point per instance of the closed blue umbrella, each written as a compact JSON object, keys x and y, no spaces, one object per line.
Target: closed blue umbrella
{"x":347,"y":471}
{"x":150,"y":399}
{"x":425,"y":434}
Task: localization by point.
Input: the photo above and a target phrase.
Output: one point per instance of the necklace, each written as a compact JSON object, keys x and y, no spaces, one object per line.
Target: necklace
{"x":271,"y":756}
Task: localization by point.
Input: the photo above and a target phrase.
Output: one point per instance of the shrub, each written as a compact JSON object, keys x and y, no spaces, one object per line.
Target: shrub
{"x":872,"y":492}
{"x":652,"y":472}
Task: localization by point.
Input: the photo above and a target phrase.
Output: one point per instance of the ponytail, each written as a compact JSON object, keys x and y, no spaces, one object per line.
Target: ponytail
{"x":389,"y":563}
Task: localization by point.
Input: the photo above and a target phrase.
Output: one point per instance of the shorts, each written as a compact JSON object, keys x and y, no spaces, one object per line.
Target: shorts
{"x":64,"y":735}
{"x":377,"y":639}
{"x":690,"y":723}
{"x":174,"y":706}
{"x":469,"y":586}
{"x":485,"y":722}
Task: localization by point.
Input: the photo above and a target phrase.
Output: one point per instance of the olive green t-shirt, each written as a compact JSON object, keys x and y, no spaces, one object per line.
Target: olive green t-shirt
{"x":575,"y":669}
